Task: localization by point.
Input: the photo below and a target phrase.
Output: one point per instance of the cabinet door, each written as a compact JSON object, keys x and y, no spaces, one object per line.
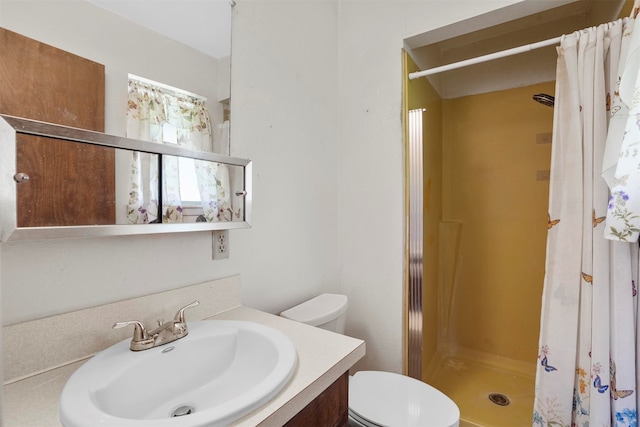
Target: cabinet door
{"x":70,"y":185}
{"x":40,"y":82}
{"x":329,"y":409}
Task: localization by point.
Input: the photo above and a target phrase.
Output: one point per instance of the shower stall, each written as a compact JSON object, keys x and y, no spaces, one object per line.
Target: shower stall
{"x":486,"y":161}
{"x":476,"y":263}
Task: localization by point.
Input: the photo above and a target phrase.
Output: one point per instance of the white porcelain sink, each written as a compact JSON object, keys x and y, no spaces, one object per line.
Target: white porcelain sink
{"x":219,"y":372}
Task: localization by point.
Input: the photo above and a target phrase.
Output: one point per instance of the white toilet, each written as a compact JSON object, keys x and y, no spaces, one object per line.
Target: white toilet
{"x":379,"y":398}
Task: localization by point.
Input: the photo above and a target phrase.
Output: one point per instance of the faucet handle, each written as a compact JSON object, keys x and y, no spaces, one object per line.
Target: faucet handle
{"x":139,"y":333}
{"x":180,"y":314}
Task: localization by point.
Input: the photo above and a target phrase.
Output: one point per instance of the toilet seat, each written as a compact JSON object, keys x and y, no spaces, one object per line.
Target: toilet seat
{"x":386,"y":399}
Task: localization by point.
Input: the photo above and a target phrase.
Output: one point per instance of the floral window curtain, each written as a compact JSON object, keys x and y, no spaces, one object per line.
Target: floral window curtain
{"x":163,"y":116}
{"x":214,"y":193}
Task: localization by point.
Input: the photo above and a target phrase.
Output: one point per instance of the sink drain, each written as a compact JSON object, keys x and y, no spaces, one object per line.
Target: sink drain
{"x":499,"y":399}
{"x":183,"y":410}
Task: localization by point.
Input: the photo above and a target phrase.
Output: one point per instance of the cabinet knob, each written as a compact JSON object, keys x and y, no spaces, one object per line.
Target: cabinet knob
{"x":21,"y":177}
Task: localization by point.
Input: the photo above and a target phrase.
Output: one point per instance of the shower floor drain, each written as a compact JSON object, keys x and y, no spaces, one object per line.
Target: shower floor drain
{"x":499,"y":399}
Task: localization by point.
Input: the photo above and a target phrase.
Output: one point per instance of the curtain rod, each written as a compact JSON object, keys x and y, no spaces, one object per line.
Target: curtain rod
{"x":167,"y":87}
{"x":485,"y":58}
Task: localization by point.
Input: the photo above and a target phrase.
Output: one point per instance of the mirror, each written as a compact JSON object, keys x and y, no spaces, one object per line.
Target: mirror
{"x":199,"y":62}
{"x":91,"y":184}
{"x":202,"y":25}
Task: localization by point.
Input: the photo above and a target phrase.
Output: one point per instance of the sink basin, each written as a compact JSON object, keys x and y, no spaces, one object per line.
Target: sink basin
{"x":218,"y":373}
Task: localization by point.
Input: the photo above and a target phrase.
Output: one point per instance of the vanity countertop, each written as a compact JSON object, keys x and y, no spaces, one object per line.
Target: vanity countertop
{"x":323,"y":357}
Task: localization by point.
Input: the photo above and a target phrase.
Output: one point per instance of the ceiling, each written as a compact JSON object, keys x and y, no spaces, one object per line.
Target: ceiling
{"x":204,"y":25}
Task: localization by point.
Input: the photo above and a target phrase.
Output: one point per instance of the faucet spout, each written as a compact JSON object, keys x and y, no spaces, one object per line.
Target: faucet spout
{"x":167,"y":332}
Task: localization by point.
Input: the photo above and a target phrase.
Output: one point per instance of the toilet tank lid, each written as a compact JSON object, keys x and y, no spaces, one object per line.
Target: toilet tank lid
{"x":319,"y":310}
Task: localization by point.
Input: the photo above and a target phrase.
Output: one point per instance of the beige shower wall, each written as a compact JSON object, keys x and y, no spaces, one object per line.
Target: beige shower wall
{"x":495,"y":158}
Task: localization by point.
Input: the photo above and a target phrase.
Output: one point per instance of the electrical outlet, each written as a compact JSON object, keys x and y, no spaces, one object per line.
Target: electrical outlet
{"x":220,"y":244}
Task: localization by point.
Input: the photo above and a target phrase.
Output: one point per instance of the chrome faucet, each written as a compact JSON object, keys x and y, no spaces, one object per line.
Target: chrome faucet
{"x":166,"y":332}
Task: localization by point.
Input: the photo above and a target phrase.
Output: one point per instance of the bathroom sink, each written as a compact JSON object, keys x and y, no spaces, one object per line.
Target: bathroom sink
{"x":218,"y":373}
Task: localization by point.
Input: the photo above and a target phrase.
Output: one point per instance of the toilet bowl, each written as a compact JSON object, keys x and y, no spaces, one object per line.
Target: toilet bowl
{"x":379,"y":398}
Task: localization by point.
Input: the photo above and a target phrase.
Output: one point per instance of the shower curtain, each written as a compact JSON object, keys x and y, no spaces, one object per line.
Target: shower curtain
{"x":586,"y":371}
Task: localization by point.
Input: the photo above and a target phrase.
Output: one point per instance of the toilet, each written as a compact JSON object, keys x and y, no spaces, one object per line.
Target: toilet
{"x":379,"y":398}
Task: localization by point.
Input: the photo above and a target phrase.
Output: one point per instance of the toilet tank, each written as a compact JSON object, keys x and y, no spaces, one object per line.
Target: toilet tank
{"x":326,"y":311}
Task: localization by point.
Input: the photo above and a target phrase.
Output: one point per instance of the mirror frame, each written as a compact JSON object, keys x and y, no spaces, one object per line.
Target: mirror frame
{"x":11,"y":126}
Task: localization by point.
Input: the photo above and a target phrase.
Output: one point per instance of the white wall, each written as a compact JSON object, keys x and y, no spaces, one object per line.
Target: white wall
{"x":316,"y":103}
{"x":372,"y":161}
{"x":277,"y":73}
{"x":283,"y":117}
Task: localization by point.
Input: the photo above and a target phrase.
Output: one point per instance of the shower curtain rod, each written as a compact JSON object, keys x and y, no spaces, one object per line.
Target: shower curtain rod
{"x":485,"y":58}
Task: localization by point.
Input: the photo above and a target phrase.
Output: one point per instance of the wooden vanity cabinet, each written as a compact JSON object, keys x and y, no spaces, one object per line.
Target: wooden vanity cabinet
{"x":329,"y":409}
